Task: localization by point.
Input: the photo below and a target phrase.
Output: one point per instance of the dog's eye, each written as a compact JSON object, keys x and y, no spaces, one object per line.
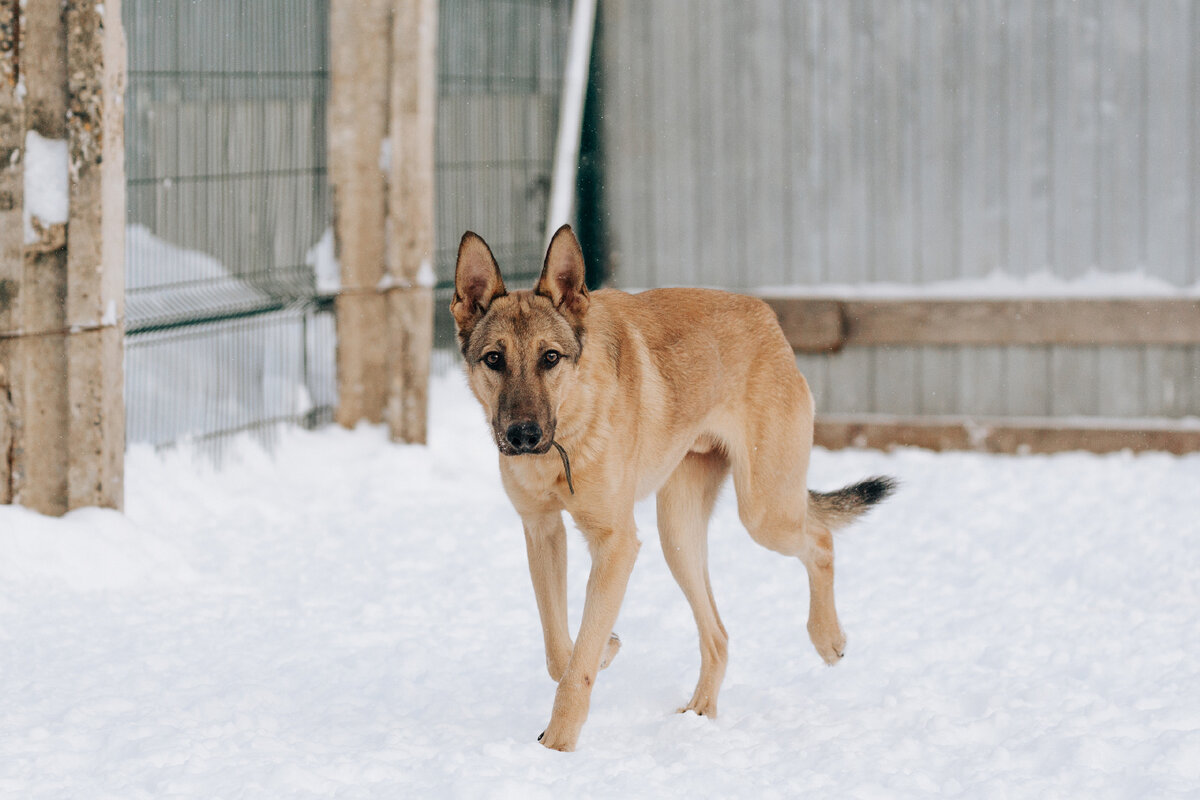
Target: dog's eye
{"x":493,"y":360}
{"x":550,"y":358}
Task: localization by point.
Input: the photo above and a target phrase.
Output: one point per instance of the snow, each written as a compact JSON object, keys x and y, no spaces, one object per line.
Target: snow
{"x":385,"y":155}
{"x":426,"y":277}
{"x":166,"y":281}
{"x":234,"y":373}
{"x":344,"y":617}
{"x":322,"y":258}
{"x":1041,"y":285}
{"x":47,"y":195}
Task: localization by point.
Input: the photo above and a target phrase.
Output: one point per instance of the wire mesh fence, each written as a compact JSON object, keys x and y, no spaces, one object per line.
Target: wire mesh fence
{"x":227,"y":197}
{"x":500,"y":78}
{"x":229,"y":206}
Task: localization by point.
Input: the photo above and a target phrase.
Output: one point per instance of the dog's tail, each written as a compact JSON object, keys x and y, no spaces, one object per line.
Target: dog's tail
{"x":835,"y":510}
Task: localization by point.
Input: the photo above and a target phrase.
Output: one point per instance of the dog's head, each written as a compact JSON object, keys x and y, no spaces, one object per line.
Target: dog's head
{"x":522,"y":348}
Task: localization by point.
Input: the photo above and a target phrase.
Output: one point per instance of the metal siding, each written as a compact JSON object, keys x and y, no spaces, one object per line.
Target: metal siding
{"x":773,"y":143}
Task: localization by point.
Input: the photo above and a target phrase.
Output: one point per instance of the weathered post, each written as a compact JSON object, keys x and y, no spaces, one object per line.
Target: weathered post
{"x":359,"y":36}
{"x":96,"y":253}
{"x":410,"y":217}
{"x":381,"y":151}
{"x":62,"y":205}
{"x":12,"y":237}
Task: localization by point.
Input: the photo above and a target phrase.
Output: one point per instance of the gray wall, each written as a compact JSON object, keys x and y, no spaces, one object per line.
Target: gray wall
{"x":774,"y":142}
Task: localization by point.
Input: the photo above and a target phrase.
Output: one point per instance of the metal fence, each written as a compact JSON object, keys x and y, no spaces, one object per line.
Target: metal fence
{"x":500,"y":77}
{"x":227,"y":200}
{"x":229,"y":206}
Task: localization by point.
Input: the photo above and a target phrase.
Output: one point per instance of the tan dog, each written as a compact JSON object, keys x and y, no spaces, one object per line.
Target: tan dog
{"x":666,"y":391}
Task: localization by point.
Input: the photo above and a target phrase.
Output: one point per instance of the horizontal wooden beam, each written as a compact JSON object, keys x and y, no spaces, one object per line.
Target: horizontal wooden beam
{"x":822,"y":325}
{"x":1016,"y":436}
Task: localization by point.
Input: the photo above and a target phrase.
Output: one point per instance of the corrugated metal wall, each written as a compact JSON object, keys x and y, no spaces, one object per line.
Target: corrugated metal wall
{"x":776,"y":142}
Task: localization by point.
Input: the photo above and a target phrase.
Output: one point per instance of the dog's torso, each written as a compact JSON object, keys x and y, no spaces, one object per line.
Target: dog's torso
{"x":662,"y":373}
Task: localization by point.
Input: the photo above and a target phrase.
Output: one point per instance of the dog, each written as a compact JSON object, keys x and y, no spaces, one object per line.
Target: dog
{"x":597,"y":399}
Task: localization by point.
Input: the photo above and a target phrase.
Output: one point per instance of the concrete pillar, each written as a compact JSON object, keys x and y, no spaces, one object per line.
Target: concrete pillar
{"x":383,"y":105}
{"x":62,"y":415}
{"x":359,"y":45}
{"x":410,"y":216}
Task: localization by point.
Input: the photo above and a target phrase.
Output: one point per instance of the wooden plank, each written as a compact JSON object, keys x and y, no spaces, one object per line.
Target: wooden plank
{"x":812,"y":326}
{"x":1025,"y":436}
{"x":827,"y":324}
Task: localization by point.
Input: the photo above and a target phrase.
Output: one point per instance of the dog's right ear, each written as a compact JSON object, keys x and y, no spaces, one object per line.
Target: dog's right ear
{"x":477,"y":282}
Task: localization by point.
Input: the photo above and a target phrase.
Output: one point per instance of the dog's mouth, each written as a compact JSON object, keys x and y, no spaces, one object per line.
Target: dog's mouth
{"x":519,"y":440}
{"x":508,"y":449}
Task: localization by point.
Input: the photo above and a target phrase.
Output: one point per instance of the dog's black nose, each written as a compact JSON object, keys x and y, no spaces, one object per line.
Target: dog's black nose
{"x":524,"y":436}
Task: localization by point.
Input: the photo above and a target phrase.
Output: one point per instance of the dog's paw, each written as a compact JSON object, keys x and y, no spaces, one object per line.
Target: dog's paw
{"x":830,"y":643}
{"x":610,"y":652}
{"x":555,"y":740}
{"x":703,"y":707}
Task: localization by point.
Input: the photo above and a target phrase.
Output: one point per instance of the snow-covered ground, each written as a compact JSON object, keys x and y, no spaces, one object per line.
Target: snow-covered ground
{"x":349,"y":618}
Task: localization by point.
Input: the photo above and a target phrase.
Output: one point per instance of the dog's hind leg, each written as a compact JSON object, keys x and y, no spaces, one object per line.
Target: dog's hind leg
{"x":770,"y":472}
{"x":685,"y":503}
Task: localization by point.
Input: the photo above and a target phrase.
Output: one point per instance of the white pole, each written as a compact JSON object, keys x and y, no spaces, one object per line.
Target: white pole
{"x":560,"y":208}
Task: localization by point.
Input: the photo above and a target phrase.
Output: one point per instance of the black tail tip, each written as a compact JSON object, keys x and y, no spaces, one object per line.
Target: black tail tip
{"x":875,"y":490}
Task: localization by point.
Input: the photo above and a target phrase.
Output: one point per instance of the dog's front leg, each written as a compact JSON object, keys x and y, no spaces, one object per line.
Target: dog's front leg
{"x":613,"y":554}
{"x":546,"y":545}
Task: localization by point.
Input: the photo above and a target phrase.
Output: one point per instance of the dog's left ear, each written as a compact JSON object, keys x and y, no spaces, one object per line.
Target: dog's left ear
{"x":563,"y":277}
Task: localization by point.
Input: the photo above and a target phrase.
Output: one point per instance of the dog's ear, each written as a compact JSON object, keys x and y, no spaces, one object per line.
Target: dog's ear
{"x":477,"y":282}
{"x":563,"y":274}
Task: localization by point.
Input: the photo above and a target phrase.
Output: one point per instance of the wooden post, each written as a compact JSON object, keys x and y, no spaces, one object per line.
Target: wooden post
{"x":359,"y":37}
{"x":62,"y":415}
{"x":96,"y":253}
{"x":12,"y":244}
{"x":410,"y":217}
{"x":381,"y":150}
